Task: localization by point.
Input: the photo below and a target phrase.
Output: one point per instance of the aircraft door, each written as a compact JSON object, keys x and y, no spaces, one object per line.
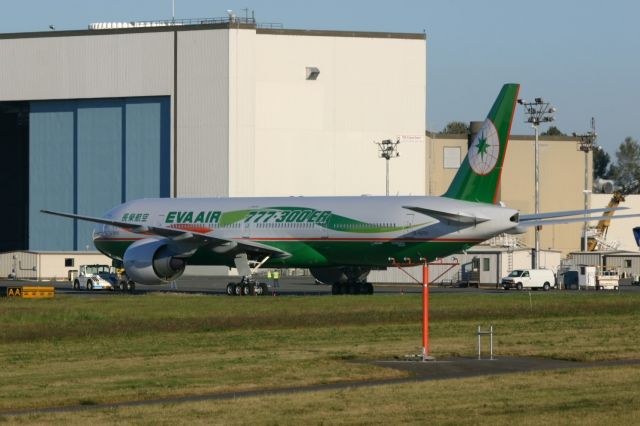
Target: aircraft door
{"x":246,"y":229}
{"x":409,"y":219}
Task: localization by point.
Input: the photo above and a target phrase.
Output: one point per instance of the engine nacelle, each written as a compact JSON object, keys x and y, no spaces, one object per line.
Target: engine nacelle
{"x":150,"y":261}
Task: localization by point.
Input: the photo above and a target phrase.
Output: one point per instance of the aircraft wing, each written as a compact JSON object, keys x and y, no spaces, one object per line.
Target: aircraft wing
{"x":179,"y":235}
{"x":528,"y":217}
{"x":541,"y":222}
{"x":449,"y":215}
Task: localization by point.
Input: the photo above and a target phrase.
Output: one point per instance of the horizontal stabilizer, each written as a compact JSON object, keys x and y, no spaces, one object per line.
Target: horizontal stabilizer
{"x":528,"y":217}
{"x":451,"y":216}
{"x":541,"y":222}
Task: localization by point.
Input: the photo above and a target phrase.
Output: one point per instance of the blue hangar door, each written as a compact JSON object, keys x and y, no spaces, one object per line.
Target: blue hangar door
{"x":86,"y":156}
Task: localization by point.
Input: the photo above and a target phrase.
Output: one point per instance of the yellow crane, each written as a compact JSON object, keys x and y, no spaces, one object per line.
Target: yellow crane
{"x":603,"y":225}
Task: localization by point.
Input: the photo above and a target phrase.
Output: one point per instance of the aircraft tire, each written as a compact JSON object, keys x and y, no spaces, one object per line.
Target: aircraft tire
{"x":231,"y":289}
{"x":368,"y":288}
{"x":237,"y":290}
{"x":131,"y":286}
{"x":264,"y":289}
{"x":246,"y":289}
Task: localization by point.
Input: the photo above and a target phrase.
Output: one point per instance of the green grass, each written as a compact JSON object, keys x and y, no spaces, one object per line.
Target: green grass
{"x":84,"y":350}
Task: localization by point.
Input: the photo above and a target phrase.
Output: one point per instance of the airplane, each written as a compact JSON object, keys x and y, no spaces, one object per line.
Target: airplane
{"x":339,"y":239}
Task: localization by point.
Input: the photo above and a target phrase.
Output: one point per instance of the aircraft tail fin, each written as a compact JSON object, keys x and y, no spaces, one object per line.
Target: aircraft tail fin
{"x":636,"y":235}
{"x":478,"y":177}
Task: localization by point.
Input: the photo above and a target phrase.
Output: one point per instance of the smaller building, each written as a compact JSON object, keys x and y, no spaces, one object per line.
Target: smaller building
{"x":479,"y":265}
{"x":47,"y":265}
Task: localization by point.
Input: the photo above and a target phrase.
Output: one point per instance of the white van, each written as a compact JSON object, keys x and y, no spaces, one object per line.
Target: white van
{"x":529,"y":278}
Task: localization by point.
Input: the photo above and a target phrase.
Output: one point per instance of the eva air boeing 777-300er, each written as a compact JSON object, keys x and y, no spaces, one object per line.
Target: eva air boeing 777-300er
{"x":340,"y":239}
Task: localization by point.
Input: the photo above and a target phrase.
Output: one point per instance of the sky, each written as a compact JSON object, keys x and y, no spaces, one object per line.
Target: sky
{"x":582,"y":56}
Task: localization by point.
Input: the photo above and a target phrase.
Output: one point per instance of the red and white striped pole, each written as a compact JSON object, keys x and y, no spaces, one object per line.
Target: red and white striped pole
{"x":425,"y":311}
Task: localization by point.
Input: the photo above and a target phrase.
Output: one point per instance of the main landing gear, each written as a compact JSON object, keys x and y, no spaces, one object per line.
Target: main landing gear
{"x":345,"y":279}
{"x":352,"y":288}
{"x":247,"y":287}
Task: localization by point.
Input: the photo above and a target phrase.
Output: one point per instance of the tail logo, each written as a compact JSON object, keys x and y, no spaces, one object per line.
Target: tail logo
{"x":485,"y":149}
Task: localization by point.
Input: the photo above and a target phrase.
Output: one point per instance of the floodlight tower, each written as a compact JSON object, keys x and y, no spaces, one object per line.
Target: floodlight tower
{"x":388,"y":149}
{"x":537,"y":112}
{"x":586,"y":144}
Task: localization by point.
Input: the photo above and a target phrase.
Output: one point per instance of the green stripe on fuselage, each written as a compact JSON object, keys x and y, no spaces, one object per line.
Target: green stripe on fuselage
{"x":322,"y":252}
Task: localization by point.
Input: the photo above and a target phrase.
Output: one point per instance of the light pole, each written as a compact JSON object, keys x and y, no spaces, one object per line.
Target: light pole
{"x":537,"y":112}
{"x":388,"y":149}
{"x":586,"y":144}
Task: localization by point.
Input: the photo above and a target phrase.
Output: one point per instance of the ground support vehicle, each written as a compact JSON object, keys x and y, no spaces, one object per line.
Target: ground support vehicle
{"x":95,"y":277}
{"x":598,"y":278}
{"x":529,"y":278}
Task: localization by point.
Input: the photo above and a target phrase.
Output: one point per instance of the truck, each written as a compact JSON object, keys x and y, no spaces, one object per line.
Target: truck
{"x":95,"y":277}
{"x":102,"y":277}
{"x":529,"y":278}
{"x":598,"y":278}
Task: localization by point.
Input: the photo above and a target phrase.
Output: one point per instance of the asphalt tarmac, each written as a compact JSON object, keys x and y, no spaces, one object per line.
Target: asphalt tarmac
{"x":289,"y":286}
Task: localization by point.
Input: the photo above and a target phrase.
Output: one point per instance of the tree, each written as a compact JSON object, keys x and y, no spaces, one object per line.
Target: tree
{"x":456,"y":128}
{"x":627,"y":168}
{"x":601,"y":164}
{"x":553,"y":131}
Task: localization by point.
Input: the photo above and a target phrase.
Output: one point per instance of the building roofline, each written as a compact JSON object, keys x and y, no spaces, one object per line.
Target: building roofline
{"x":218,"y":26}
{"x":115,"y":31}
{"x":331,"y":33}
{"x":436,"y":135}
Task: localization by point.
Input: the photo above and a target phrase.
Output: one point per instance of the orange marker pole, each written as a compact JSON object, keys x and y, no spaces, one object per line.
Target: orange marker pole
{"x":425,"y":311}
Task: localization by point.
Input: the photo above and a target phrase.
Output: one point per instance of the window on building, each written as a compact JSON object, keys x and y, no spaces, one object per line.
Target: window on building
{"x":69,"y":262}
{"x":627,"y":263}
{"x":312,"y":73}
{"x":486,"y":264}
{"x":451,"y":156}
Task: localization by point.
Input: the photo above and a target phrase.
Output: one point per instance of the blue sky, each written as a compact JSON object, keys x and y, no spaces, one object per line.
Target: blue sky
{"x":583,"y":56}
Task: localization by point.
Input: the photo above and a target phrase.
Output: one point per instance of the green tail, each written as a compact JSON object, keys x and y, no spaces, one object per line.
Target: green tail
{"x":478,"y":178}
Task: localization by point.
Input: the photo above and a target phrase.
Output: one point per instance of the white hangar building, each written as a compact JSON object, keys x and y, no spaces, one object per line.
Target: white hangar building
{"x":96,"y":117}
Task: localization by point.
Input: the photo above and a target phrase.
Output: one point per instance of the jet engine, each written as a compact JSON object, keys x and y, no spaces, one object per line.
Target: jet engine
{"x":151,"y":261}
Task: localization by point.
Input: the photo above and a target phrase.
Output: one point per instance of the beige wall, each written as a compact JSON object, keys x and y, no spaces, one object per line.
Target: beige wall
{"x":317,"y":137}
{"x":561,"y":181}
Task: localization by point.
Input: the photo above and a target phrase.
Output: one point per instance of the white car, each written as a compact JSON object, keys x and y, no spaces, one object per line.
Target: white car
{"x":529,"y":278}
{"x":95,"y":277}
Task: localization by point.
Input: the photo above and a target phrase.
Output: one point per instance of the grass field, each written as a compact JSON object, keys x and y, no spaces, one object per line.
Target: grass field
{"x":84,"y":350}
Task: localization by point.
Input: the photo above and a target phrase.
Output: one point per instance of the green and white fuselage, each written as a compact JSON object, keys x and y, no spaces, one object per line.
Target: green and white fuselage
{"x":339,"y":238}
{"x":314,"y":232}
